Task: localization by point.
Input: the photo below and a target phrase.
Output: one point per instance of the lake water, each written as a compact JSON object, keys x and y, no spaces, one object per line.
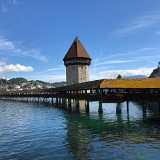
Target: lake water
{"x":42,"y":132}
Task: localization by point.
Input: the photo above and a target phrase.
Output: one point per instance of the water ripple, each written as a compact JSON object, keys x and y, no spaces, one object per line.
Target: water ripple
{"x":39,"y":132}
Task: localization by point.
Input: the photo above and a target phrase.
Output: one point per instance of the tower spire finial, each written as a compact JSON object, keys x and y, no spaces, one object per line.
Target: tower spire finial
{"x":76,"y":38}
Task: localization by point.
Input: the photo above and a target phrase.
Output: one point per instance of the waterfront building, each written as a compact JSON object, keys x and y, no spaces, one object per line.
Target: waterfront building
{"x":77,"y":61}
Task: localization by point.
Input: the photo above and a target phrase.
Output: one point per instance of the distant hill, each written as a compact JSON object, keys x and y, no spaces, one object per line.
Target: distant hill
{"x":17,"y":81}
{"x":136,"y":76}
{"x":155,"y":73}
{"x":22,"y":83}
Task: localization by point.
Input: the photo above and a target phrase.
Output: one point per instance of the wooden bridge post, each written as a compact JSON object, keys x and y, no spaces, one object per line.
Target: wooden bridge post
{"x":56,"y":102}
{"x":127,"y":103}
{"x":69,"y":105}
{"x":87,"y":106}
{"x":66,"y":103}
{"x":159,"y":107}
{"x":52,"y":101}
{"x":119,"y":113}
{"x":144,"y":108}
{"x":59,"y":102}
{"x":100,"y":109}
{"x":63,"y":102}
{"x":118,"y":109}
{"x":77,"y":105}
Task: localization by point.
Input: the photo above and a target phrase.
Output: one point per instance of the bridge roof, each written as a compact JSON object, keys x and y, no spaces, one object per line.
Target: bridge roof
{"x":142,"y":83}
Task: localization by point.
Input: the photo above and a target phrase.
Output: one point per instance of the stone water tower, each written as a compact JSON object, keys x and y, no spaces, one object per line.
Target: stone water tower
{"x":77,"y":62}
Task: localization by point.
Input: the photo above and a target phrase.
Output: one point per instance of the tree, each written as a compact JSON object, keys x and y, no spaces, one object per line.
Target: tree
{"x":119,"y":76}
{"x":158,"y":64}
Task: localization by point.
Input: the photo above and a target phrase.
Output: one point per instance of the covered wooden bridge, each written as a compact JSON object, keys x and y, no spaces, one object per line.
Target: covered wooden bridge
{"x":96,"y":90}
{"x":104,"y":91}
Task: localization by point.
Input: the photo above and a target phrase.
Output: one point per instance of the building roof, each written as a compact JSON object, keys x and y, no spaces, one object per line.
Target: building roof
{"x":141,"y":83}
{"x":76,"y":50}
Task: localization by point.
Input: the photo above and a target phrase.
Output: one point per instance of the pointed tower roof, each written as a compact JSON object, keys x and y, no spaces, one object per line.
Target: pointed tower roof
{"x":76,"y":51}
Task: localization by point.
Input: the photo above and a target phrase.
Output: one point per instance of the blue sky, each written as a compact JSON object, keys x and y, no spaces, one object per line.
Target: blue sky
{"x":121,"y":36}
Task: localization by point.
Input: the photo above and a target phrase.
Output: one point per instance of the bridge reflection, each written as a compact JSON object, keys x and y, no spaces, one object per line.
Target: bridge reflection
{"x":123,"y":125}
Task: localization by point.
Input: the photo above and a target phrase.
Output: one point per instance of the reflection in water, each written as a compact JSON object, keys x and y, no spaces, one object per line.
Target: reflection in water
{"x":126,"y":131}
{"x":88,"y":133}
{"x":78,"y":138}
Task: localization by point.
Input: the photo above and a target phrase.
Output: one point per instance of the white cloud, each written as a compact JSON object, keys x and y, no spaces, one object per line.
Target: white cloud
{"x":12,"y":2}
{"x":9,"y":47}
{"x":6,"y":4}
{"x":59,"y":68}
{"x":109,"y":66}
{"x":3,"y":8}
{"x":55,"y":74}
{"x":141,"y":61}
{"x":110,"y":62}
{"x":146,"y":54}
{"x":6,"y":45}
{"x":57,"y":78}
{"x":99,"y":73}
{"x":34,"y":53}
{"x":49,"y":77}
{"x":8,"y":68}
{"x":126,"y":72}
{"x":140,"y":23}
{"x":95,"y":74}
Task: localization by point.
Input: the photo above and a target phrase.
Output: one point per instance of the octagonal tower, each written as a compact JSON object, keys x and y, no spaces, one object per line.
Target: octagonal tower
{"x":77,"y":62}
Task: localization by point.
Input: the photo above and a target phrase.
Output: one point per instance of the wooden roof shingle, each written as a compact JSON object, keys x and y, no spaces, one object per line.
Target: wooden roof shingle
{"x":76,"y":50}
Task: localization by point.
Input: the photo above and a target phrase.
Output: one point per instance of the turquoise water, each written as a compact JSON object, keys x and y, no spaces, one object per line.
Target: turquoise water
{"x":42,"y":132}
